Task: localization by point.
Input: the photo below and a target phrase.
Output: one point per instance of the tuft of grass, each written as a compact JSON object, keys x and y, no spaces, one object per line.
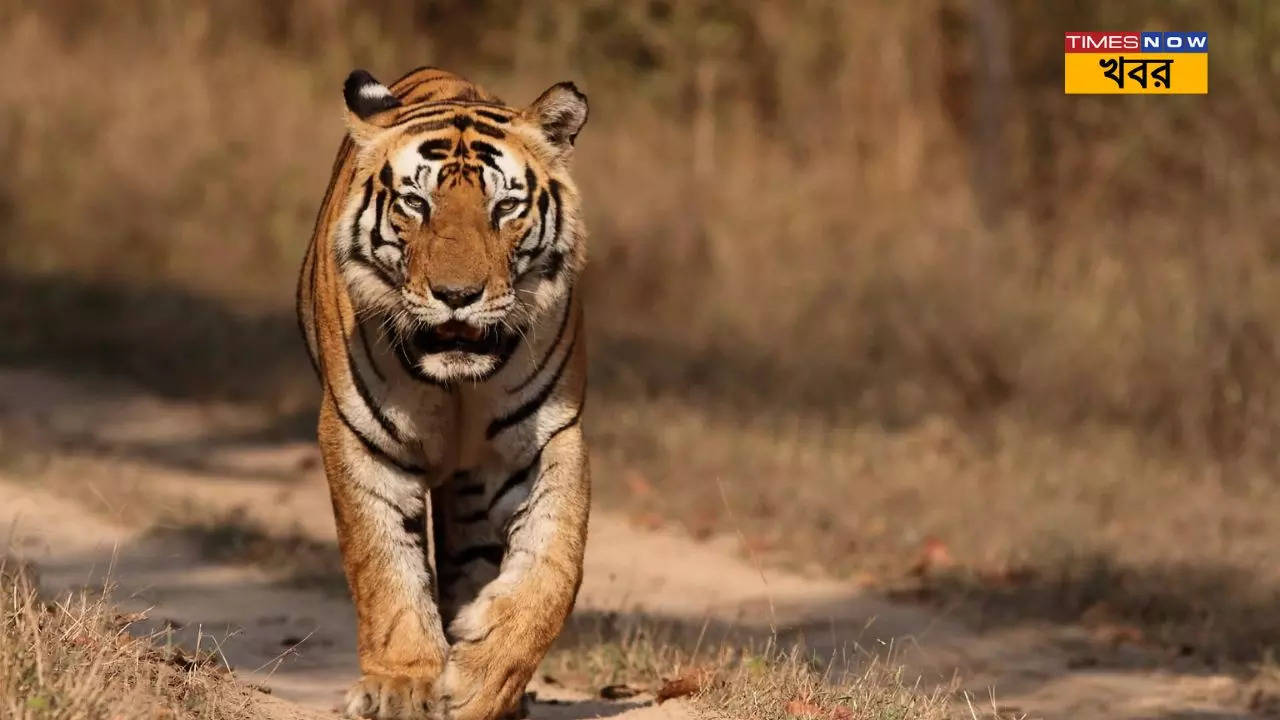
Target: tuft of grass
{"x":73,"y":658}
{"x":778,"y":685}
{"x":598,"y":652}
{"x":733,"y":677}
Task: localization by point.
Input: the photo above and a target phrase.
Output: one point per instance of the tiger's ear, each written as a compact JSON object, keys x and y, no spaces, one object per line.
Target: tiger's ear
{"x":367,"y":104}
{"x":560,"y":112}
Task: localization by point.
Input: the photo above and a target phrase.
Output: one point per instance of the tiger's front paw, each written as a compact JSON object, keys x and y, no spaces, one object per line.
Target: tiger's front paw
{"x":479,"y":683}
{"x":389,"y":697}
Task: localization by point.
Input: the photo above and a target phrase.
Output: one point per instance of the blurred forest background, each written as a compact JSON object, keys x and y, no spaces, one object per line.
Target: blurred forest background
{"x":860,"y":273}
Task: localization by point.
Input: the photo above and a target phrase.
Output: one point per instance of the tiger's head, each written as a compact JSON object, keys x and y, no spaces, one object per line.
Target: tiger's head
{"x":462,"y":226}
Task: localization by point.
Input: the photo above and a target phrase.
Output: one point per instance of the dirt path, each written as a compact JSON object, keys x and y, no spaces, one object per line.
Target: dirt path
{"x":116,"y":460}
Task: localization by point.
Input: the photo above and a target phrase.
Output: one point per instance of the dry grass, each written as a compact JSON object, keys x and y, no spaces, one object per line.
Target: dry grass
{"x":73,"y":659}
{"x":731,"y":678}
{"x":864,"y":211}
{"x":775,"y":686}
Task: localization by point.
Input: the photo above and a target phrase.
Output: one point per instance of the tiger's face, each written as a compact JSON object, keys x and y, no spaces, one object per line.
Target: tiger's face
{"x":462,"y":224}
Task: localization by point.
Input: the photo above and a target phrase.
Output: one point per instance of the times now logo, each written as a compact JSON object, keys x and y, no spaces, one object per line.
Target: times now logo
{"x":1102,"y":41}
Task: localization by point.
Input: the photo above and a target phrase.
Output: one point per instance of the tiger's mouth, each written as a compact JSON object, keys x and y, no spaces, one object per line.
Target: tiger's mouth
{"x":457,"y":336}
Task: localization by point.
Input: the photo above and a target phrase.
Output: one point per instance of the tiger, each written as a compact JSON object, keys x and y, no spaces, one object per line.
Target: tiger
{"x":440,"y":305}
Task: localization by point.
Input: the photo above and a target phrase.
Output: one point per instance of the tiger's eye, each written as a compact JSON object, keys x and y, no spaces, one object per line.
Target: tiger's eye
{"x":414,"y":203}
{"x":506,"y":205}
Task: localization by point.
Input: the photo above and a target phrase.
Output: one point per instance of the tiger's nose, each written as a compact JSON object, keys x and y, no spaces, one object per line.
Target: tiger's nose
{"x":457,"y":297}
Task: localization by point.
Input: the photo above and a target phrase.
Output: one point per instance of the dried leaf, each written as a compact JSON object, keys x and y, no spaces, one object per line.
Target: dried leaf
{"x":686,"y":684}
{"x":637,"y":484}
{"x":934,"y":555}
{"x":804,"y":708}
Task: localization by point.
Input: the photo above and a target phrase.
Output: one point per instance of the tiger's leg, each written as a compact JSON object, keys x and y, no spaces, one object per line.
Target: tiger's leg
{"x":381,"y":516}
{"x":500,"y":637}
{"x":468,"y":548}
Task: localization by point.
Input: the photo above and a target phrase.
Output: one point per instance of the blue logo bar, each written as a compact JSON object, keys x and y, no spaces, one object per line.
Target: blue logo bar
{"x":1172,"y":42}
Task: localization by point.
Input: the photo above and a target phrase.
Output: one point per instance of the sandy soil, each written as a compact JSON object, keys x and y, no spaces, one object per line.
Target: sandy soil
{"x":111,"y":460}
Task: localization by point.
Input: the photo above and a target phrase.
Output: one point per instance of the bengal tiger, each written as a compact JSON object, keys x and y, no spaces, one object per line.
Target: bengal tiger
{"x":439,"y":305}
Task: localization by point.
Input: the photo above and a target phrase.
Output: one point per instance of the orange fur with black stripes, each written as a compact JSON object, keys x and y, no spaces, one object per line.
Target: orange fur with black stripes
{"x":438,"y":305}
